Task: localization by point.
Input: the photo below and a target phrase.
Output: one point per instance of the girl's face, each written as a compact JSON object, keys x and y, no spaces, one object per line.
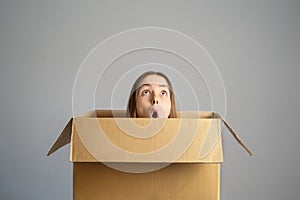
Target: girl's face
{"x":153,"y":97}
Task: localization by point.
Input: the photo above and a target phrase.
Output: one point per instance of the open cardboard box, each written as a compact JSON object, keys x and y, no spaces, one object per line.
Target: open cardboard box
{"x":115,"y":157}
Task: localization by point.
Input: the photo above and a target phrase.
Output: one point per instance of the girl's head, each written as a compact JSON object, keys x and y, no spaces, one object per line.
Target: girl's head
{"x":152,"y":95}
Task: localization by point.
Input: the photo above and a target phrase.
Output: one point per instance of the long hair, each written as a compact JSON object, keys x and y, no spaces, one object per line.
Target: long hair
{"x":131,"y":106}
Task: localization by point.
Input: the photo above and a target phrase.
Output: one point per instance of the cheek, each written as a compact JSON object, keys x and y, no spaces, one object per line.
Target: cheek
{"x":167,"y":101}
{"x":142,"y":106}
{"x":167,"y":105}
{"x":142,"y":103}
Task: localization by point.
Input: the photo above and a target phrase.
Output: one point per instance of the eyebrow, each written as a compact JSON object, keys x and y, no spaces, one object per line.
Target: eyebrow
{"x":147,"y":84}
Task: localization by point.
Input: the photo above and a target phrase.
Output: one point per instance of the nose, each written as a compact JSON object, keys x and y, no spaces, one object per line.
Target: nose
{"x":154,"y":100}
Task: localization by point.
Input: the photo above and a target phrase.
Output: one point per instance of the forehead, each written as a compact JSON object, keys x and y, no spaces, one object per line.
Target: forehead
{"x":154,"y":79}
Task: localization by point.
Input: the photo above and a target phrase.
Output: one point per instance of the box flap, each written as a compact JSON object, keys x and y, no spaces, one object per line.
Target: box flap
{"x":182,"y":140}
{"x":236,"y":137}
{"x":66,"y":134}
{"x":63,"y":139}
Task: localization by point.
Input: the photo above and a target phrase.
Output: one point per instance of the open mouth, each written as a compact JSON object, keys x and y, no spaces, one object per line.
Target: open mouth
{"x":154,"y":114}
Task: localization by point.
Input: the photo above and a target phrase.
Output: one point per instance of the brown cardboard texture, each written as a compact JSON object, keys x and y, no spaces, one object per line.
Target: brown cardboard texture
{"x":180,"y":157}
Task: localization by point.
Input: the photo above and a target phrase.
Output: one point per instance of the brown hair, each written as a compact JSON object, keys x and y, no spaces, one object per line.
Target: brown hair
{"x":131,"y":106}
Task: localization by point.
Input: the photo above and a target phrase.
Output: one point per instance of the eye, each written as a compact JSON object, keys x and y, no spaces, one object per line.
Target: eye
{"x":145,"y":92}
{"x":164,"y":93}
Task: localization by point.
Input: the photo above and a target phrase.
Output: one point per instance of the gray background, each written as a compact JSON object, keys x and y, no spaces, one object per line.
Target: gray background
{"x":255,"y":44}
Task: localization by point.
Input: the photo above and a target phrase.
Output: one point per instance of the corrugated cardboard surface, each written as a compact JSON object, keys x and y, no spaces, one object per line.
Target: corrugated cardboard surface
{"x":176,"y":182}
{"x":90,"y":122}
{"x":194,"y":174}
{"x":195,"y":133}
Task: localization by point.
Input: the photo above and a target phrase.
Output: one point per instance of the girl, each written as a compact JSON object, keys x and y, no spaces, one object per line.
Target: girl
{"x":152,"y":96}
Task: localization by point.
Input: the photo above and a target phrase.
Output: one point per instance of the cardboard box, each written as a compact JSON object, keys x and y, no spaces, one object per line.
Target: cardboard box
{"x":147,"y":159}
